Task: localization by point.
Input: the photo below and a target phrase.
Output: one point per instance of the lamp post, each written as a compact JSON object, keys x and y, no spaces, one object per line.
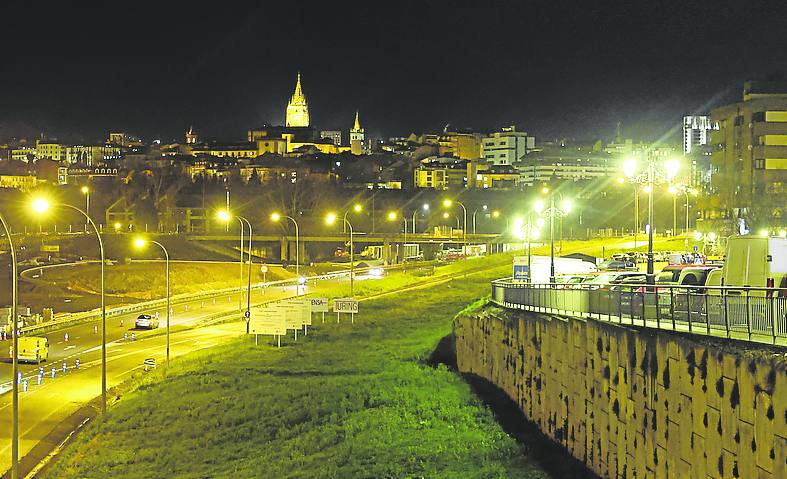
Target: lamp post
{"x":331,"y":219}
{"x":40,"y":206}
{"x":448,"y":203}
{"x":484,"y":208}
{"x":141,"y":243}
{"x":551,"y":212}
{"x":447,"y":215}
{"x":425,"y":208}
{"x":392,"y":216}
{"x":86,"y":191}
{"x":357,"y":207}
{"x":276,"y":217}
{"x":225,"y":216}
{"x":14,"y":356}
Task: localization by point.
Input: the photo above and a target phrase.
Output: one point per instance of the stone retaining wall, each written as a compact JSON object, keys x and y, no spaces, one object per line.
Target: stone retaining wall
{"x":635,"y":404}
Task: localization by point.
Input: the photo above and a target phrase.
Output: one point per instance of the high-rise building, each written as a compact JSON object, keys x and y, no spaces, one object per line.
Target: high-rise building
{"x":334,"y":135}
{"x":357,"y":137}
{"x":507,"y":146}
{"x":297,"y":109}
{"x":696,"y":132}
{"x":748,"y":172}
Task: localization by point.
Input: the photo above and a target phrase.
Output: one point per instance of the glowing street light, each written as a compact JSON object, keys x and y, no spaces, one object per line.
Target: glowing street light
{"x":226,"y":216}
{"x":330,"y":219}
{"x":357,"y":208}
{"x":629,"y":167}
{"x":40,"y":206}
{"x":117,"y":227}
{"x":141,"y":243}
{"x":275,"y":217}
{"x":15,"y":353}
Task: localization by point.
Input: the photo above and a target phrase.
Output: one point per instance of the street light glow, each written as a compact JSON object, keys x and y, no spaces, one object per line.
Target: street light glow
{"x":545,"y":190}
{"x":223,"y":215}
{"x":782,"y":233}
{"x":117,"y":226}
{"x":447,"y":203}
{"x":391,"y":215}
{"x":275,"y":216}
{"x":330,"y":218}
{"x":538,"y":206}
{"x":446,"y":215}
{"x":566,"y":206}
{"x":426,"y":206}
{"x":647,"y":189}
{"x":495,"y":214}
{"x":540,"y":222}
{"x":621,"y":180}
{"x":357,"y":208}
{"x":629,"y":167}
{"x":764,"y":233}
{"x":140,"y":243}
{"x":671,"y":167}
{"x":85,"y":190}
{"x":40,"y":205}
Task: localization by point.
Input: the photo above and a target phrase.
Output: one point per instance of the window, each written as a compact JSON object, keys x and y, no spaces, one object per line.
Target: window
{"x":759,"y":164}
{"x":758,"y":116}
{"x":738,"y":120}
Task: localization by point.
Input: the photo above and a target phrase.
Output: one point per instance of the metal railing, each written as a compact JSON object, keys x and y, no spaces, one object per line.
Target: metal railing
{"x":749,"y":314}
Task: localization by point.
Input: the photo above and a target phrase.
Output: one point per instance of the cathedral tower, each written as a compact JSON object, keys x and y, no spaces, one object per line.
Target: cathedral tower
{"x":356,"y":137}
{"x":297,"y":109}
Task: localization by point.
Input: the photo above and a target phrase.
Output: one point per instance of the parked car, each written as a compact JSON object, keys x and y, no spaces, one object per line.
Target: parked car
{"x":146,"y":321}
{"x":616,"y":265}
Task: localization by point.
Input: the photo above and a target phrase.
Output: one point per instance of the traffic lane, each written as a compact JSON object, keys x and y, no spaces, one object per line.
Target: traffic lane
{"x":44,"y":406}
{"x":84,"y":337}
{"x":75,"y":339}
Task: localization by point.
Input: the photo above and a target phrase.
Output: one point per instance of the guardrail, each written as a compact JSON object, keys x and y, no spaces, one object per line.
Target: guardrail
{"x":189,"y":297}
{"x":749,"y":314}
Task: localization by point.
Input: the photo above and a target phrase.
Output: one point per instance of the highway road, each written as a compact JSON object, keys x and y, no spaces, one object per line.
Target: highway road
{"x":43,"y":407}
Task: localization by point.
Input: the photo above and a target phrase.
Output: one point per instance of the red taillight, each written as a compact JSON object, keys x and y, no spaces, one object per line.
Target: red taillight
{"x":769,"y":283}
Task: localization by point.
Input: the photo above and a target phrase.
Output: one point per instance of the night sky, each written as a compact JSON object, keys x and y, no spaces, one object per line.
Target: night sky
{"x":556,"y":68}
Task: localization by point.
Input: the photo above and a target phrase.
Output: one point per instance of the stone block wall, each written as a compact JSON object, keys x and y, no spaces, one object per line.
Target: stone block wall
{"x":636,"y":403}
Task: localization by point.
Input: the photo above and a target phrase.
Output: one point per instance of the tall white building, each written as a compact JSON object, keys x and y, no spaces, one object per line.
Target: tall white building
{"x":696,"y":132}
{"x":507,"y":147}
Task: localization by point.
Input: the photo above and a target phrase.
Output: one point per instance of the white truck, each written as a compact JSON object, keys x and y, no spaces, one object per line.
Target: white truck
{"x":753,"y":262}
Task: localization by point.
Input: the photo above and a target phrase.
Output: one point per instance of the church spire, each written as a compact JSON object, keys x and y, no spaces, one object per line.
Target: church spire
{"x":357,"y":126}
{"x":297,"y":109}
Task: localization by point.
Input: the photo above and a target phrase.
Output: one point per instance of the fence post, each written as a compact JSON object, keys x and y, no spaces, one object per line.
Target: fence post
{"x":688,"y":308}
{"x":707,"y":312}
{"x":748,"y":315}
{"x":726,"y":315}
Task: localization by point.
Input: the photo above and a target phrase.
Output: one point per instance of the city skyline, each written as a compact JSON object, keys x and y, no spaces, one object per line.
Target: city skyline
{"x":406,"y":69}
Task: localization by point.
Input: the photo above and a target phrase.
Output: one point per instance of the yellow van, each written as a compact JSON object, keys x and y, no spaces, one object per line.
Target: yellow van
{"x":32,"y":349}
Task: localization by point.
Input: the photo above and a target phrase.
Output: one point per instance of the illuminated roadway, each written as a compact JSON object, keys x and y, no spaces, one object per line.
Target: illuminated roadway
{"x":44,"y":407}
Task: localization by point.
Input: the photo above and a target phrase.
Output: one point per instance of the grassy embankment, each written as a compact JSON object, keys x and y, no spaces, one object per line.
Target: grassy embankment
{"x":347,"y":401}
{"x":147,"y":280}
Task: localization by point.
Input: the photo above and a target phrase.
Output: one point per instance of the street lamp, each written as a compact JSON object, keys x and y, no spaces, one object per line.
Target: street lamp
{"x":330,"y":219}
{"x":447,"y":215}
{"x":357,"y":208}
{"x":140,"y":243}
{"x":86,"y":191}
{"x":484,"y":208}
{"x":275,"y":217}
{"x":551,"y":212}
{"x":41,"y":206}
{"x":117,"y":227}
{"x":630,"y":169}
{"x":392,"y":216}
{"x":425,"y":208}
{"x":448,"y":203}
{"x":14,"y":355}
{"x":225,"y":216}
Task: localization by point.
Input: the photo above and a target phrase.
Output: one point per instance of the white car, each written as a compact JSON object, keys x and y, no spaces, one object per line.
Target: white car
{"x":146,"y":321}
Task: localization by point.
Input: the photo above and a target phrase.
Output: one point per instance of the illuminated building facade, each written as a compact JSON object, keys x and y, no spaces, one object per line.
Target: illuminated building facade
{"x":748,"y":173}
{"x":297,"y":108}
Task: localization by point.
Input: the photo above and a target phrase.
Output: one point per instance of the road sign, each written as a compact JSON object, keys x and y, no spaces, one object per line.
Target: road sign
{"x":319,"y":305}
{"x":247,"y":314}
{"x":264,"y":268}
{"x":268,"y":320}
{"x":345,"y":305}
{"x":521,"y":268}
{"x":696,"y":248}
{"x":298,"y":312}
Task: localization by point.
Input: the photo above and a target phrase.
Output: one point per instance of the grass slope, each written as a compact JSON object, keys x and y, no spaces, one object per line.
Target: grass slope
{"x":348,"y":401}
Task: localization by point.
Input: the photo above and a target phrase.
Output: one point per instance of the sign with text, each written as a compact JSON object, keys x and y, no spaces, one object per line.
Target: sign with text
{"x":268,"y":320}
{"x":319,"y":305}
{"x":297,"y":312}
{"x":345,"y":305}
{"x":521,"y":268}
